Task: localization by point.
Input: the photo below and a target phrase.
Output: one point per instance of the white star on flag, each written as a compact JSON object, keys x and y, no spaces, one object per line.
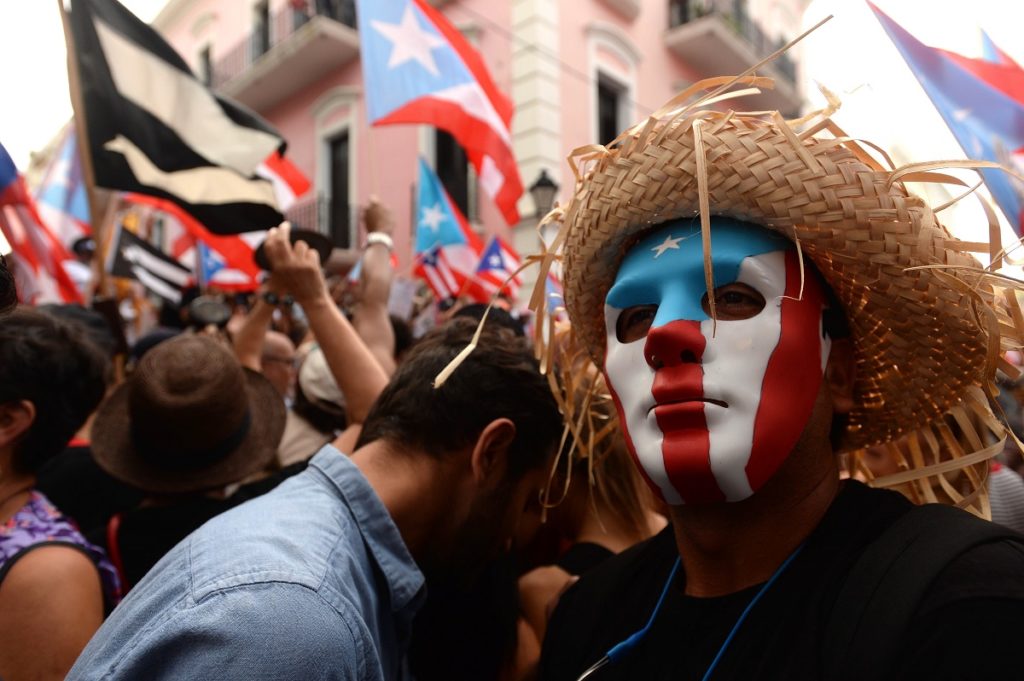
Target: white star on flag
{"x":495,"y":261}
{"x":409,"y":42}
{"x":433,"y":217}
{"x":668,"y":244}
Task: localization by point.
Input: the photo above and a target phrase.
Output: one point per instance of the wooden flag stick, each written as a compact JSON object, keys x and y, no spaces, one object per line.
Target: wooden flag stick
{"x":96,"y":216}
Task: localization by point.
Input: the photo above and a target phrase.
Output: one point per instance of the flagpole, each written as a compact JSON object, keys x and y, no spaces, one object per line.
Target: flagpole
{"x":85,"y":154}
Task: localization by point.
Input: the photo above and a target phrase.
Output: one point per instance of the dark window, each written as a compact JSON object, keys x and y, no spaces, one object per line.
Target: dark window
{"x":337,"y":208}
{"x":678,"y":12}
{"x":205,"y":65}
{"x":452,"y":168}
{"x":609,"y":101}
{"x":261,"y":29}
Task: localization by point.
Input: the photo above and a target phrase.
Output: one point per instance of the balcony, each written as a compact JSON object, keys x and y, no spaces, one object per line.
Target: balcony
{"x":718,"y":38}
{"x":317,"y":212}
{"x":287,"y":52}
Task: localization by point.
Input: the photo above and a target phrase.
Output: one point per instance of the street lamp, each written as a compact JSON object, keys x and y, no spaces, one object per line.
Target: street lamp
{"x":543,"y":191}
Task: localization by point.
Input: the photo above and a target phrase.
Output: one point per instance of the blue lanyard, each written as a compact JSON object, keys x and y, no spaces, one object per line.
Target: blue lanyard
{"x":622,"y":648}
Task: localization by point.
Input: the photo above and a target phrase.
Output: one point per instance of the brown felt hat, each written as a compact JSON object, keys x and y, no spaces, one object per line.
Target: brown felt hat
{"x":928,"y":322}
{"x":190,"y":418}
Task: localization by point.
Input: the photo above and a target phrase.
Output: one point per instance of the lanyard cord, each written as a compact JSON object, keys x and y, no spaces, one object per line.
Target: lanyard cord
{"x":619,"y":650}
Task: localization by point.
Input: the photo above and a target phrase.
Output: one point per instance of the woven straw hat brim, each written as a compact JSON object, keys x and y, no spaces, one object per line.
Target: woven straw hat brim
{"x":114,"y":451}
{"x":920,"y":334}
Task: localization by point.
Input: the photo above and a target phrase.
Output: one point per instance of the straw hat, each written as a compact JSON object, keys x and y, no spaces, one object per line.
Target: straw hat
{"x":928,"y":322}
{"x":190,"y":418}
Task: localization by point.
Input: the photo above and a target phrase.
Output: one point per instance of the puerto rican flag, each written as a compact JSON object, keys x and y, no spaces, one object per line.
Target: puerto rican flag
{"x":445,"y":243}
{"x":228,"y":261}
{"x":433,"y":268}
{"x":37,"y":257}
{"x":982,"y":102}
{"x":61,"y":197}
{"x":498,"y":262}
{"x":418,"y":68}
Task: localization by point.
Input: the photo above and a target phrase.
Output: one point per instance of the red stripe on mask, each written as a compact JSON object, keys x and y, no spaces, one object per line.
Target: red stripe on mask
{"x":675,"y":351}
{"x":792,"y":377}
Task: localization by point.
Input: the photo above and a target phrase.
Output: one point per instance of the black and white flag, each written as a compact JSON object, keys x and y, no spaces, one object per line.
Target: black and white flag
{"x":134,"y":258}
{"x":155,"y":129}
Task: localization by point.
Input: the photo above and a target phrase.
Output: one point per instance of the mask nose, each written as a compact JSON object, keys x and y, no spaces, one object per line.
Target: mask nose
{"x":677,"y":343}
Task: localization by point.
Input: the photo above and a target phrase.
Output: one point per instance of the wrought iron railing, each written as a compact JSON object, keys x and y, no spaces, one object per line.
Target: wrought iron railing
{"x":315,"y":213}
{"x":734,"y":14}
{"x":283,"y":24}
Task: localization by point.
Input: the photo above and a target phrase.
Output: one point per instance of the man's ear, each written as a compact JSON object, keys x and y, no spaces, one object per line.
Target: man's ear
{"x":840,"y":374}
{"x":15,"y":420}
{"x":489,"y":460}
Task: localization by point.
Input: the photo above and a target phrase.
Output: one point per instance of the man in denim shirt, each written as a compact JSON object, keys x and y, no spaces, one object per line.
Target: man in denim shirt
{"x":320,"y":578}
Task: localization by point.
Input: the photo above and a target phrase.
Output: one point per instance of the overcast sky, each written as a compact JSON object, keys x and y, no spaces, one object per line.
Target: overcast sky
{"x":35,"y":104}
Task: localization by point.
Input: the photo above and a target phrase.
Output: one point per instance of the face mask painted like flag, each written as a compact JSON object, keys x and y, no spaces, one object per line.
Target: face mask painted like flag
{"x":37,"y":257}
{"x":153,"y":128}
{"x":418,"y":68}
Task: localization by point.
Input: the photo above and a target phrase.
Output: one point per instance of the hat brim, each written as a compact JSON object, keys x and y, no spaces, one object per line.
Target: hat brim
{"x":114,"y":451}
{"x":919,"y":345}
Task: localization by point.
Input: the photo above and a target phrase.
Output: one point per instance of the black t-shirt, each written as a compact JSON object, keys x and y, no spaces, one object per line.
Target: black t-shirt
{"x":965,"y":626}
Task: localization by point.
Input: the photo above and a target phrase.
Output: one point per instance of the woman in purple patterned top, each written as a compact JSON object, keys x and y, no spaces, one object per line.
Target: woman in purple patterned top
{"x":55,"y":587}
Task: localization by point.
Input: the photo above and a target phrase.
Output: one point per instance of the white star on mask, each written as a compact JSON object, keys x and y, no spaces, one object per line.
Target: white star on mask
{"x":410,"y":42}
{"x":669,"y":243}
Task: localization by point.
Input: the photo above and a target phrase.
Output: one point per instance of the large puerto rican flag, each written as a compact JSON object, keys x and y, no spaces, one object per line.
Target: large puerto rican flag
{"x":37,"y":257}
{"x":418,"y":68}
{"x":982,"y":102}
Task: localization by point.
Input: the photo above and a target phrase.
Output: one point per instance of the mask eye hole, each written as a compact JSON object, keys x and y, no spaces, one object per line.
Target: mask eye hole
{"x":734,"y":302}
{"x":634,"y":323}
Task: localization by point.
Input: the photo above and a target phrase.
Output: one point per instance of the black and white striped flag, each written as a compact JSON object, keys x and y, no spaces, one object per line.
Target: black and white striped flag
{"x":155,"y":129}
{"x":134,"y":258}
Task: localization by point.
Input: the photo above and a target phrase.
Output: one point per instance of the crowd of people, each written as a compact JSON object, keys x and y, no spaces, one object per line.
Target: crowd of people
{"x":668,"y":484}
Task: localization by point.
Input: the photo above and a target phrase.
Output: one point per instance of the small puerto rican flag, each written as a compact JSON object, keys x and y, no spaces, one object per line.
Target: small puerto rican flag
{"x":498,"y":262}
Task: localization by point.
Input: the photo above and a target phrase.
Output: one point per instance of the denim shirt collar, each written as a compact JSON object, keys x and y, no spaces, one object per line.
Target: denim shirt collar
{"x":404,"y":579}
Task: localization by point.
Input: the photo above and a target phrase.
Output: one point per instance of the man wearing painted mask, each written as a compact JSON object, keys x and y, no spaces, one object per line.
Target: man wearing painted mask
{"x":753,"y":304}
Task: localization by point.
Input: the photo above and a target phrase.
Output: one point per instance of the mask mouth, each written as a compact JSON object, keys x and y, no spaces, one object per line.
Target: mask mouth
{"x":692,"y":400}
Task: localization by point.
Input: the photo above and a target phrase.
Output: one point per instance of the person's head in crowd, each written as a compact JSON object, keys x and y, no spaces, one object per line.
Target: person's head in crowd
{"x":190,"y":419}
{"x":175,"y":315}
{"x":486,"y":435}
{"x":497,"y":315}
{"x":84,"y":248}
{"x":403,"y":336}
{"x":278,"y":362}
{"x":318,"y":399}
{"x":8,"y":289}
{"x":150,"y":341}
{"x":52,"y":377}
{"x":92,"y":323}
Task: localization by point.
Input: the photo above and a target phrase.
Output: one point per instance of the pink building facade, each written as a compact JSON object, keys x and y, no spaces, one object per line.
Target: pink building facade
{"x":577,"y":71}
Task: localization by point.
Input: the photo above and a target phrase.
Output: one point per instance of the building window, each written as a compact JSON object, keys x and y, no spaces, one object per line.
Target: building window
{"x":610,"y":103}
{"x":337,"y":208}
{"x":205,"y":66}
{"x":261,"y":29}
{"x":453,"y":169}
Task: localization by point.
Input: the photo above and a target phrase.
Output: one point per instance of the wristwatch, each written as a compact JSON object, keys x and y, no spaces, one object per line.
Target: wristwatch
{"x":273,"y":299}
{"x":380,"y":238}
